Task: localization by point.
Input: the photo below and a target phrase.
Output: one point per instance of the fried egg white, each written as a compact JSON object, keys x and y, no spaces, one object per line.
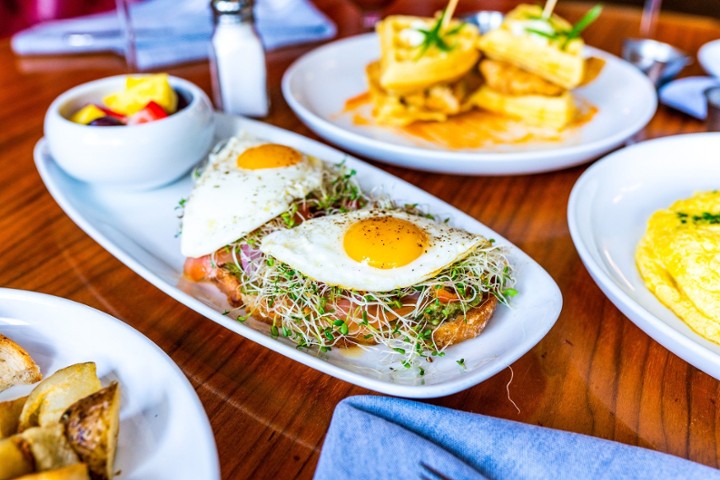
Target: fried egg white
{"x":246,"y":184}
{"x":370,"y":250}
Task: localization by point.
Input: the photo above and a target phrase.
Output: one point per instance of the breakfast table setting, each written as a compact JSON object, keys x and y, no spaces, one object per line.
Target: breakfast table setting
{"x":584,"y":367}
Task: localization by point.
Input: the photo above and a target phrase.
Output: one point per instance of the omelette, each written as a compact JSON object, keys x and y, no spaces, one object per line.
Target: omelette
{"x":679,"y":261}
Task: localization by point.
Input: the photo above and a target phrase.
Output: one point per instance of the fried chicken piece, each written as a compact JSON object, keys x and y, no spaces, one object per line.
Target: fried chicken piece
{"x":511,"y":80}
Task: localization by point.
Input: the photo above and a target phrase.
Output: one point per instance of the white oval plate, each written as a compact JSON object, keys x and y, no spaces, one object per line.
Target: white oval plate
{"x":709,"y":58}
{"x":161,"y":417}
{"x":608,"y":212}
{"x":318,"y":84}
{"x":140,"y":229}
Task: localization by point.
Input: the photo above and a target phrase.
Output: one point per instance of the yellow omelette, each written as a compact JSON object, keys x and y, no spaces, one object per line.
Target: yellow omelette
{"x":679,"y":261}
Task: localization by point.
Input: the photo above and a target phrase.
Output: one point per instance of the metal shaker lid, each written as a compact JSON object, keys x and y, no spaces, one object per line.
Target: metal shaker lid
{"x":241,"y":9}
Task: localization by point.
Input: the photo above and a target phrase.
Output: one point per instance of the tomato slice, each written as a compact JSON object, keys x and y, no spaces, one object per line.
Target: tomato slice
{"x":150,"y":113}
{"x":197,"y":269}
{"x":112,"y":113}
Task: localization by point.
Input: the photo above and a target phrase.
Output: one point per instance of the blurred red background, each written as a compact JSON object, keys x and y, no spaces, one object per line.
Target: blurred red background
{"x":18,"y":14}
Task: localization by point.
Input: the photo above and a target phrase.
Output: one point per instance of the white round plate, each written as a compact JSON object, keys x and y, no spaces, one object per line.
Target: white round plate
{"x":709,"y":57}
{"x":164,"y":431}
{"x":319,"y":83}
{"x":608,"y":212}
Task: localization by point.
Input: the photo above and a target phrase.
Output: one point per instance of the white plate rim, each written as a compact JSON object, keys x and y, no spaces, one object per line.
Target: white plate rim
{"x":687,"y":345}
{"x":472,"y":163}
{"x":91,"y":318}
{"x":44,"y":163}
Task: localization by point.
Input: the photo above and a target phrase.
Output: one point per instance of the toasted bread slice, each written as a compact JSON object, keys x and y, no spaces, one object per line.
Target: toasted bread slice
{"x":16,"y":366}
{"x":521,"y":41}
{"x":465,"y":327}
{"x":406,"y":67}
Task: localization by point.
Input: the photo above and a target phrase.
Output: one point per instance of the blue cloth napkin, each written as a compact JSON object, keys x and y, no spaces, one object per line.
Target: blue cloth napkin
{"x":686,"y":95}
{"x":382,"y":437}
{"x":171,"y":31}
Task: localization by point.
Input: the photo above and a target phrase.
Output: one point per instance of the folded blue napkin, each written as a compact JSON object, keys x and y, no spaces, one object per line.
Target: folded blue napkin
{"x":686,"y":95}
{"x":382,"y":437}
{"x":171,"y":31}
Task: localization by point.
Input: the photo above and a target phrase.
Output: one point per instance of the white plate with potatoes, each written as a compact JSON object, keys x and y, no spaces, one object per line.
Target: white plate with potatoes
{"x":608,"y":214}
{"x":161,"y":418}
{"x":318,"y":85}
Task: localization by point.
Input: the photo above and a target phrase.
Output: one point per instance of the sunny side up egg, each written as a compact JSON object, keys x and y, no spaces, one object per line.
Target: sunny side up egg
{"x":246,"y":184}
{"x":370,"y":250}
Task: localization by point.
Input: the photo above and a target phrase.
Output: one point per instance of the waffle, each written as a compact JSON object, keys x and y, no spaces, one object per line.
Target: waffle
{"x":559,"y":60}
{"x":405,"y":67}
{"x":540,"y":110}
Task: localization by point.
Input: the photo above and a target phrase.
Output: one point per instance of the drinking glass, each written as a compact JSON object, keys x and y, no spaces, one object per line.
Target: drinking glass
{"x":650,"y":14}
{"x":371,"y":11}
{"x":128,"y":33}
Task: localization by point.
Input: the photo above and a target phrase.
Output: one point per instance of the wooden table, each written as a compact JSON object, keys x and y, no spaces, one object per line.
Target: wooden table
{"x":594,"y":373}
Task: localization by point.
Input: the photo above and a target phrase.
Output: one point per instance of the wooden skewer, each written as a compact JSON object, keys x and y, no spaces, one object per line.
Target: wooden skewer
{"x":449,"y":11}
{"x":549,"y":7}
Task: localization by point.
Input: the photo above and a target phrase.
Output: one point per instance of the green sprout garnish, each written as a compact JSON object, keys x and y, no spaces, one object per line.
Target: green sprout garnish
{"x":435,"y":37}
{"x":575,"y":32}
{"x":312,"y":314}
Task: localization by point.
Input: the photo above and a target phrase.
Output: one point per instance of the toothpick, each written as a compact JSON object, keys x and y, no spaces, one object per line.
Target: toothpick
{"x":449,"y":11}
{"x":549,"y":7}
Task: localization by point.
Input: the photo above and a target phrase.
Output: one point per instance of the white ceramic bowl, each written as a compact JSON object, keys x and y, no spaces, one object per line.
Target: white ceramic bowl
{"x":140,"y":156}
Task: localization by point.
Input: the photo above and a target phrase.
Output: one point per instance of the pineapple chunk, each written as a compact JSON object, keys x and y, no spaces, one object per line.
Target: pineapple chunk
{"x":87,"y":114}
{"x":141,"y":90}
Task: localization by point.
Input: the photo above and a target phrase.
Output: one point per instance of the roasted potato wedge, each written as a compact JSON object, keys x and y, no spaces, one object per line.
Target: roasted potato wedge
{"x":78,"y":471}
{"x":36,"y":449}
{"x":49,"y":446}
{"x":10,"y":416}
{"x":91,"y":426}
{"x":15,"y":457}
{"x":51,"y":397}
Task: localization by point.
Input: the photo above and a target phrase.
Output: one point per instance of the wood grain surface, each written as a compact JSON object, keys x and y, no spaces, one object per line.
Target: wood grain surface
{"x":594,"y":373}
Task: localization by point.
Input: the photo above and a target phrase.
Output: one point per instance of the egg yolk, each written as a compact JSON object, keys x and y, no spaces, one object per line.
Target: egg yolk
{"x":269,"y":155}
{"x":384,"y":242}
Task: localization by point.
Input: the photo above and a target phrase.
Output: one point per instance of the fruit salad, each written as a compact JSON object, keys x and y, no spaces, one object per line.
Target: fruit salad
{"x":145,"y":99}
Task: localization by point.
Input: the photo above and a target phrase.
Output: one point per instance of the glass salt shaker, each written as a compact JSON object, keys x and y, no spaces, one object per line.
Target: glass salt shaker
{"x":237,"y":60}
